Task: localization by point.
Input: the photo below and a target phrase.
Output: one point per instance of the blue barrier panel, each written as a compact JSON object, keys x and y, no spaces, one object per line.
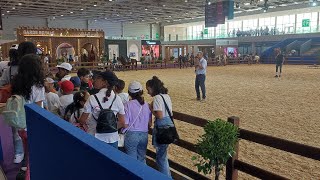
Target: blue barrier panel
{"x":60,"y":151}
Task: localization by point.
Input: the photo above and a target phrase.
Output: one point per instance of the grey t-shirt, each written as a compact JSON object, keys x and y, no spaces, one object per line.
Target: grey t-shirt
{"x":5,"y":78}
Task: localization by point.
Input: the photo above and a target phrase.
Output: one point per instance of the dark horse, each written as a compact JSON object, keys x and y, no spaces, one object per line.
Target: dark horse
{"x":127,"y":62}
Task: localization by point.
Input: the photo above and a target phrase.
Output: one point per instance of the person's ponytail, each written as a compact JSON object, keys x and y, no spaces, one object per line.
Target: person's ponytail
{"x":108,"y":94}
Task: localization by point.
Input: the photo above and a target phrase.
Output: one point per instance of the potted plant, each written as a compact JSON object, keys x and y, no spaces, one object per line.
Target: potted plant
{"x":171,"y":58}
{"x":216,"y":146}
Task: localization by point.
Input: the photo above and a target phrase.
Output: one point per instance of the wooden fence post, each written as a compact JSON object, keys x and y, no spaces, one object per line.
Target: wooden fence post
{"x":231,"y":173}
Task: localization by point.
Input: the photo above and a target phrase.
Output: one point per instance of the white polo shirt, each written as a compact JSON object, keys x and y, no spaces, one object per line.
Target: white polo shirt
{"x":92,"y":107}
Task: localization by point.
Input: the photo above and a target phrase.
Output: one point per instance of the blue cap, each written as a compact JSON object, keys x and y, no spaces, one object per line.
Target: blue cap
{"x":76,"y":81}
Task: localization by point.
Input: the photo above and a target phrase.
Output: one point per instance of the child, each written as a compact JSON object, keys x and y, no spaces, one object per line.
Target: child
{"x":67,"y":95}
{"x":76,"y":109}
{"x":84,"y":75}
{"x":76,"y":83}
{"x":52,"y":102}
{"x":119,"y":90}
{"x":95,"y":88}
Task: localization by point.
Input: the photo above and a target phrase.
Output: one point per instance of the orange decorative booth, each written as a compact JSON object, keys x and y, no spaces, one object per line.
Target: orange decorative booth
{"x":63,"y":44}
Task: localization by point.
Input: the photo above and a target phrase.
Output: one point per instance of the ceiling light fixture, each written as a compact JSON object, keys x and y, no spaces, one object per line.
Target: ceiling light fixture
{"x":81,"y":9}
{"x":13,"y":8}
{"x":8,"y":11}
{"x":169,"y":16}
{"x":186,"y":1}
{"x":164,"y":5}
{"x":95,"y":4}
{"x":2,"y":14}
{"x":71,"y":12}
{"x":209,"y":3}
{"x":110,"y":0}
{"x":20,"y":4}
{"x":61,"y":15}
{"x":146,"y":9}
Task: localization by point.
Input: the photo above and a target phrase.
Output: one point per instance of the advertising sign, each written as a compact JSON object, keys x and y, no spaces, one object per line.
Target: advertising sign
{"x":305,"y":22}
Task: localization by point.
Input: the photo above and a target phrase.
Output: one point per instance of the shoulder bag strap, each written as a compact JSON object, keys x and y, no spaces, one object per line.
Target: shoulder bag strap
{"x":115,"y":96}
{"x":134,"y":120}
{"x":167,"y":108}
{"x":95,"y":96}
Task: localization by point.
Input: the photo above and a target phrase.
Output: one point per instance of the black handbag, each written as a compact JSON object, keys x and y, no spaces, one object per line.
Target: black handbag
{"x":166,"y":134}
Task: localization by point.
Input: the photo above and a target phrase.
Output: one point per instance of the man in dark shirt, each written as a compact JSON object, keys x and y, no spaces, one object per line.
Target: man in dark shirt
{"x":279,"y":62}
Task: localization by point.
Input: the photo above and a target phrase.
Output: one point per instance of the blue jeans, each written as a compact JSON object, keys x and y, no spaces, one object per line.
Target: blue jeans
{"x":161,"y":149}
{"x":200,"y":82}
{"x":115,"y":144}
{"x":18,"y":145}
{"x":135,"y":144}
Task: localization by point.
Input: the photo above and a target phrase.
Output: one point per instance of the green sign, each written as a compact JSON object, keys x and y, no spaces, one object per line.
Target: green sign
{"x":147,"y":37}
{"x":305,"y":22}
{"x":205,"y":31}
{"x":157,"y":35}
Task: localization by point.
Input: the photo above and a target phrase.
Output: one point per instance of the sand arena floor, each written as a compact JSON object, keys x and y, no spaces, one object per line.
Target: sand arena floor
{"x":287,"y":108}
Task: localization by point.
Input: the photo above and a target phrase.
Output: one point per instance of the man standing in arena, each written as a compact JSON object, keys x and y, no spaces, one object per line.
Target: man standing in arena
{"x":200,"y":69}
{"x":279,"y":62}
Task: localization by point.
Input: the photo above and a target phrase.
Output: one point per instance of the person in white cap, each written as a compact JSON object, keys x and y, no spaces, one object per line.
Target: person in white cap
{"x":138,"y":118}
{"x":52,"y":102}
{"x":63,"y":71}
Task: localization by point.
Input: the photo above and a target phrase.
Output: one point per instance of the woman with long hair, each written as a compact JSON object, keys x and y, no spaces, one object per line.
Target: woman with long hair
{"x":104,"y":99}
{"x":161,"y":98}
{"x":28,"y":83}
{"x":137,"y":120}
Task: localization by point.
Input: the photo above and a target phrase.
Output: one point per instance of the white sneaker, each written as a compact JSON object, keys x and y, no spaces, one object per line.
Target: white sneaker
{"x":18,"y":158}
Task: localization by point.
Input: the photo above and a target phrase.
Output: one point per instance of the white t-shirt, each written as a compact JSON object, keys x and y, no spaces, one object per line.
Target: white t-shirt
{"x":66,"y":78}
{"x":37,"y":94}
{"x":3,"y":65}
{"x":92,"y":107}
{"x":53,"y":102}
{"x":124,"y":97}
{"x":46,"y":59}
{"x":65,"y":100}
{"x":158,"y":104}
{"x":73,"y":118}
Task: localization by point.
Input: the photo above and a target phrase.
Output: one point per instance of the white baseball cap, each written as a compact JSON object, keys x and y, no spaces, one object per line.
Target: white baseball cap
{"x":65,"y":66}
{"x":49,"y":80}
{"x":135,"y":87}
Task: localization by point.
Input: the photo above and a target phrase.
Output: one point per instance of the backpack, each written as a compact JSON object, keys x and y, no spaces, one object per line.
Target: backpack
{"x":107,"y":121}
{"x":14,"y":113}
